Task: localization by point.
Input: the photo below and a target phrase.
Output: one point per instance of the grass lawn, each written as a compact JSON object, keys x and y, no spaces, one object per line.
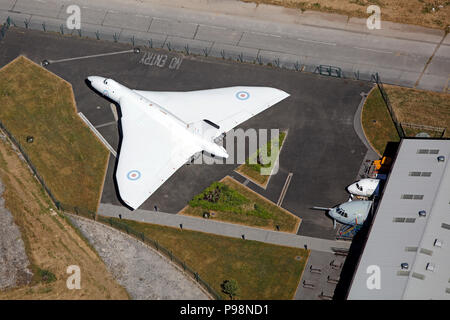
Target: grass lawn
{"x":263,"y":271}
{"x":71,"y":160}
{"x":252,"y":169}
{"x":377,"y":123}
{"x":418,"y":12}
{"x":412,"y":106}
{"x":230,"y":201}
{"x":421,"y":107}
{"x":51,"y":243}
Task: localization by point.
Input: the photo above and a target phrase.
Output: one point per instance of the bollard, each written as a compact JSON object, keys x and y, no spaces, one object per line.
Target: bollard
{"x":277,"y":62}
{"x":259,"y":59}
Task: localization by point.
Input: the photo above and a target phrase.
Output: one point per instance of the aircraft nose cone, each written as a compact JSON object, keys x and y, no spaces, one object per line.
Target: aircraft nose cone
{"x":91,"y":79}
{"x":94,"y":78}
{"x":94,"y":81}
{"x":351,"y":188}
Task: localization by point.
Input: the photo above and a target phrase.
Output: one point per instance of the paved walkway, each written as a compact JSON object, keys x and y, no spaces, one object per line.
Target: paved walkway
{"x":222,"y":228}
{"x":319,"y":276}
{"x":402,"y":54}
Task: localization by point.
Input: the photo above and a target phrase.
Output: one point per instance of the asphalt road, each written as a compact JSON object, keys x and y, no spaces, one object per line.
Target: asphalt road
{"x":322,"y":149}
{"x":401,"y":54}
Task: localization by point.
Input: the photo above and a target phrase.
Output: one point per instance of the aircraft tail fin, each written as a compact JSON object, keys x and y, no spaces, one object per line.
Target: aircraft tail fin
{"x":205,"y":128}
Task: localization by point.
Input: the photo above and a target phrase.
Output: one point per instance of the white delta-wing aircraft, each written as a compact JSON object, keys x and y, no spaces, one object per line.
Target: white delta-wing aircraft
{"x":163,"y":130}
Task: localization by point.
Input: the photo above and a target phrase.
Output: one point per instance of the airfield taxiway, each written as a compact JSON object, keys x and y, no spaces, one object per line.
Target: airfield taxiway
{"x":322,"y":150}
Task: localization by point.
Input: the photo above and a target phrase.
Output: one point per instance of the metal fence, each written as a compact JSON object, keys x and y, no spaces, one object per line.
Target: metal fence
{"x":295,"y":62}
{"x":377,"y":80}
{"x":110,"y":221}
{"x":30,"y":164}
{"x":436,"y":132}
{"x":4,"y":27}
{"x":142,"y":237}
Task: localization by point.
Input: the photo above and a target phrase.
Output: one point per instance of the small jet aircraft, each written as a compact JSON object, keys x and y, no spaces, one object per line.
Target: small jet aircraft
{"x":351,"y":212}
{"x":364,"y":187}
{"x":163,"y":130}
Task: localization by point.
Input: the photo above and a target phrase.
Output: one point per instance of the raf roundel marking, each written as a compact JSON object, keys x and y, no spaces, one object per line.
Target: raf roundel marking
{"x":133,"y":175}
{"x":242,"y":95}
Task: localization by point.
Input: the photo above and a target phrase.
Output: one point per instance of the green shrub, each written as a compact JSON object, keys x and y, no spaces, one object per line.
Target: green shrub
{"x":231,"y":288}
{"x":220,"y":197}
{"x":45,"y":276}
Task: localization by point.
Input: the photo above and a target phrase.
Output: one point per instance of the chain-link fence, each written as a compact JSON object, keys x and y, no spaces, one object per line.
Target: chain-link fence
{"x":110,"y":221}
{"x":384,"y":95}
{"x":156,"y":245}
{"x":418,"y":130}
{"x":30,"y":164}
{"x":187,"y":47}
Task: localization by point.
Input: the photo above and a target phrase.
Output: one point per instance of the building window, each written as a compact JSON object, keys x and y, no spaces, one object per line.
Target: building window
{"x":419,"y":174}
{"x":426,"y":251}
{"x":418,"y":276}
{"x":412,"y":196}
{"x":427,"y":151}
{"x":445,"y":226}
{"x":402,"y":219}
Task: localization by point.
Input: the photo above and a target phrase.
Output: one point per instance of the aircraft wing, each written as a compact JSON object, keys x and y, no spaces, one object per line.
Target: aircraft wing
{"x":149,"y":155}
{"x":226,"y":107}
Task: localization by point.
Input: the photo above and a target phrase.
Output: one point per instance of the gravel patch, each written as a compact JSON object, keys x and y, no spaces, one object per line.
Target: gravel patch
{"x":141,"y":270}
{"x":14,"y":263}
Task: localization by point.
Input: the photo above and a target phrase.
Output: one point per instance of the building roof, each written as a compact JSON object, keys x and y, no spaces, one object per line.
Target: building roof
{"x":399,"y":234}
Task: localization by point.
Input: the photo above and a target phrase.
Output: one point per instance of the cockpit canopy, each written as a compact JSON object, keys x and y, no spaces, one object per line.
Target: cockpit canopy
{"x":341,"y":212}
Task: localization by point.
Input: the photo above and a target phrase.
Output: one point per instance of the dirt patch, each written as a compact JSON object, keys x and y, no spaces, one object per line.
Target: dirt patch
{"x":421,"y":107}
{"x":14,"y":263}
{"x":141,"y":270}
{"x":50,"y":241}
{"x":417,"y":12}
